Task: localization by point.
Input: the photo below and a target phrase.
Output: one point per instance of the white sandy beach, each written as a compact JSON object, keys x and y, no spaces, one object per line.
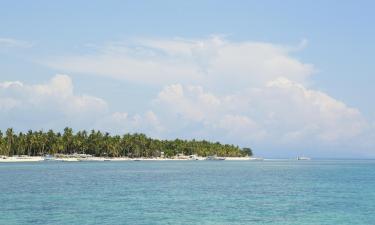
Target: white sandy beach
{"x":6,"y":159}
{"x":21,"y":159}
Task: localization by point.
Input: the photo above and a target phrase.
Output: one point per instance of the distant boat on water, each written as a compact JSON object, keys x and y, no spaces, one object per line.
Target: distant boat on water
{"x":303,"y":158}
{"x":256,"y":158}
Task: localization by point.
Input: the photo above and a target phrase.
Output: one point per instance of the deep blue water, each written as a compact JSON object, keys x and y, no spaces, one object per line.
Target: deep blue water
{"x":188,"y":192}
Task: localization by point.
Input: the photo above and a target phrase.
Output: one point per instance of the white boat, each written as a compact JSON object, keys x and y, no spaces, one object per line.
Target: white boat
{"x":23,"y":158}
{"x":67,"y":159}
{"x":256,"y":158}
{"x":303,"y":158}
{"x":214,"y":157}
{"x":49,"y":158}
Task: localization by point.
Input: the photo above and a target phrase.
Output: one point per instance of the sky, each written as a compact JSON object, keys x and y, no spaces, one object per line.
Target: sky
{"x":285,"y":78}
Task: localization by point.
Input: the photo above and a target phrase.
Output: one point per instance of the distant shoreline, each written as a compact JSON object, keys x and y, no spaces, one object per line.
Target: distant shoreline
{"x":89,"y":144}
{"x":10,"y":159}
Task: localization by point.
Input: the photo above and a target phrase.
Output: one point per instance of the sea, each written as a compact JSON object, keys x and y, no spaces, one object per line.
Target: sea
{"x":189,"y":192}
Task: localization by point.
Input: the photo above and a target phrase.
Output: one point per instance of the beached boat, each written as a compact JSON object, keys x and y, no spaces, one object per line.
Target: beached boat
{"x":70,"y":159}
{"x":22,"y":158}
{"x":193,"y":157}
{"x":214,"y":157}
{"x":49,"y":158}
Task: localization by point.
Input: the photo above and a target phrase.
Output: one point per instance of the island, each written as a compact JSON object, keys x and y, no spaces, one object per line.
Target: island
{"x":101,"y":146}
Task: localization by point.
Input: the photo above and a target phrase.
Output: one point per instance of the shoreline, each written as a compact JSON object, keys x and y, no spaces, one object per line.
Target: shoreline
{"x":10,"y":159}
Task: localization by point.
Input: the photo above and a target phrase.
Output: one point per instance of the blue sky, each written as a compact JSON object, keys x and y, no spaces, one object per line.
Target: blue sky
{"x":236,"y":68}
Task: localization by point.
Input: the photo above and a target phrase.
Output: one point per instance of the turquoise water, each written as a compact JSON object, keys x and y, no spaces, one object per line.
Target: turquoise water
{"x":188,"y":192}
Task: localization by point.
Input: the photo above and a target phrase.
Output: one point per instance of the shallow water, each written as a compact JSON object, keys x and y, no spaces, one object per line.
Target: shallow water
{"x":188,"y":192}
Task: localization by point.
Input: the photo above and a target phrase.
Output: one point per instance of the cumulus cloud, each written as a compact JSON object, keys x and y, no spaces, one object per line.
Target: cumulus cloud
{"x":122,"y":122}
{"x":191,"y":102}
{"x":56,"y":94}
{"x":282,"y":111}
{"x":51,"y":102}
{"x":314,"y":113}
{"x":55,"y":104}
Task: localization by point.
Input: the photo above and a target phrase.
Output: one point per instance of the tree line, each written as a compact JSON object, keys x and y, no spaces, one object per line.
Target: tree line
{"x":96,"y":143}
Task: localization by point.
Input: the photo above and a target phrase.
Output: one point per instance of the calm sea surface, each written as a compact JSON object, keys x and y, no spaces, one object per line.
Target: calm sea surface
{"x":188,"y":192}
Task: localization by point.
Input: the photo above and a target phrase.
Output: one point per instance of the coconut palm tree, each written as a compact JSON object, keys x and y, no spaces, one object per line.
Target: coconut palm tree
{"x":9,"y":141}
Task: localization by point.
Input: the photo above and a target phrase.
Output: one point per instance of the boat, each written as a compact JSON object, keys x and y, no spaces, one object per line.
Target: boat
{"x":49,"y":158}
{"x":303,"y":158}
{"x":214,"y":157}
{"x":70,"y":159}
{"x":193,"y":157}
{"x":22,"y":158}
{"x":256,"y":158}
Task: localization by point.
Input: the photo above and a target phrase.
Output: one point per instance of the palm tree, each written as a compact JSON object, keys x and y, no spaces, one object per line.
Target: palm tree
{"x":68,"y":140}
{"x":9,"y":141}
{"x":2,"y":145}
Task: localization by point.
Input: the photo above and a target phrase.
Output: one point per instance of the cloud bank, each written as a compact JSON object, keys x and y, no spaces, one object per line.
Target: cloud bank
{"x":282,"y":111}
{"x":55,"y":104}
{"x":214,"y":61}
{"x":248,"y":93}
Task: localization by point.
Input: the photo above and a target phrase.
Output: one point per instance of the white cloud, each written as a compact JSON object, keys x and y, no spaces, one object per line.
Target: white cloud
{"x":50,"y":104}
{"x":240,"y":127}
{"x":193,"y":103}
{"x":330,"y":119}
{"x":213,"y":61}
{"x":282,"y":111}
{"x":121,"y":122}
{"x":54,"y":105}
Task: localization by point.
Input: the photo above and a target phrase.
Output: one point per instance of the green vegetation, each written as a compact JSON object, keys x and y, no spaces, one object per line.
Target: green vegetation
{"x":34,"y":143}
